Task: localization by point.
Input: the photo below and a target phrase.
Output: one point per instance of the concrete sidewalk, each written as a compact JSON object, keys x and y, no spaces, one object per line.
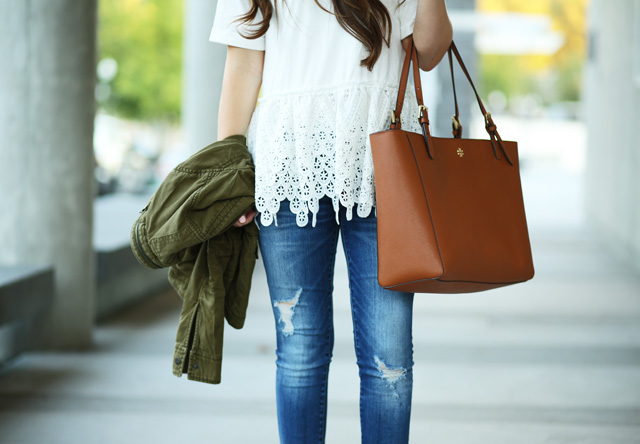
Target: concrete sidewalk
{"x":555,"y":360}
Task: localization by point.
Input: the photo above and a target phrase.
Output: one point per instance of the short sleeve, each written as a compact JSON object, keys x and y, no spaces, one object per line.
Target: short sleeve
{"x":407,"y":17}
{"x":227,"y":32}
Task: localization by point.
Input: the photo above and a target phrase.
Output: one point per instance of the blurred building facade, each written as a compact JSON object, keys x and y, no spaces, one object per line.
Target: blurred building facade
{"x":613,"y":118}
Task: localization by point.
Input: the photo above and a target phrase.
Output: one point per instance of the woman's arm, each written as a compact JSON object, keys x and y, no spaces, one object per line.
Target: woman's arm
{"x":240,"y":87}
{"x":432,"y":33}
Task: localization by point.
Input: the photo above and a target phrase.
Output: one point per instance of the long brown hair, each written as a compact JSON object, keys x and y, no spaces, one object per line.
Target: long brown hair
{"x":366,"y":20}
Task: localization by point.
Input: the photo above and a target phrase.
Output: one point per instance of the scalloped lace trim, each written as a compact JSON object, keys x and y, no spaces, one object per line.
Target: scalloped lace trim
{"x":306,"y":146}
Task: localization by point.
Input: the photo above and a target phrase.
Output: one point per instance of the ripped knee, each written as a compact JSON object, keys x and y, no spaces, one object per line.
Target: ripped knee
{"x":390,"y":375}
{"x":286,"y":309}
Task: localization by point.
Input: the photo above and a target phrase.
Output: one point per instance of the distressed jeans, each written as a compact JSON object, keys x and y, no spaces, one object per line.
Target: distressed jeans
{"x":299,"y":263}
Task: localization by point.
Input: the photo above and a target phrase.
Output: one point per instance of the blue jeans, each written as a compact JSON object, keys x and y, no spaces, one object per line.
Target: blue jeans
{"x":299,"y":264}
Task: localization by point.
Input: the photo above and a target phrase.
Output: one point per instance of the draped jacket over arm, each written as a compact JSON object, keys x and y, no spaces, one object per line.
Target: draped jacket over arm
{"x":188,"y":226}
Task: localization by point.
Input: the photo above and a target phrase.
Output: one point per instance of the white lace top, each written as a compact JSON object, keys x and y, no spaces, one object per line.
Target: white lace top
{"x":309,"y":134}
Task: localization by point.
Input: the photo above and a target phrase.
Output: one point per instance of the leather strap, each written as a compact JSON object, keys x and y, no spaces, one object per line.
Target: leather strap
{"x":404,"y":78}
{"x":410,"y":59}
{"x":456,"y":125}
{"x":454,"y":49}
{"x":490,"y":126}
{"x":423,"y":118}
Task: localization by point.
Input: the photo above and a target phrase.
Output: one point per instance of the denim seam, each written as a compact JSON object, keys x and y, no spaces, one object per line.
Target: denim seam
{"x":355,"y":324}
{"x":329,"y":348}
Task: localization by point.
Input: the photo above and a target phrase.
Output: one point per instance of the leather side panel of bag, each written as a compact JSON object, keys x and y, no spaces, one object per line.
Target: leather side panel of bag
{"x":408,"y":251}
{"x":477,"y":210}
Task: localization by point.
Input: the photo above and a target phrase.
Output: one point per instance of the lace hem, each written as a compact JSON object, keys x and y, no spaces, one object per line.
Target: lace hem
{"x":307,"y":146}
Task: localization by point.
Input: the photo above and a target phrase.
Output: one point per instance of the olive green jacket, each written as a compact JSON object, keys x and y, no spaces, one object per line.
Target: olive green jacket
{"x":187,"y":225}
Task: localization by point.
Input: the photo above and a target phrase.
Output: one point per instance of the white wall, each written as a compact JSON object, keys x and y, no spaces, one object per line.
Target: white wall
{"x":613,"y":121}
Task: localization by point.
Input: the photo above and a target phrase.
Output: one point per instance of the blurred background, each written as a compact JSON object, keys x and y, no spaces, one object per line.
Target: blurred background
{"x":99,"y":100}
{"x":530,"y":60}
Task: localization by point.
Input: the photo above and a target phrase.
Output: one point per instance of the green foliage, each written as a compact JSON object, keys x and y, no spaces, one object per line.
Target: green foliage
{"x":506,"y":73}
{"x":512,"y":75}
{"x":569,"y":82}
{"x":556,"y":77}
{"x":145,"y":39}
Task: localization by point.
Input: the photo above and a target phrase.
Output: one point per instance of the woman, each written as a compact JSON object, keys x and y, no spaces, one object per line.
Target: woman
{"x":329,"y":72}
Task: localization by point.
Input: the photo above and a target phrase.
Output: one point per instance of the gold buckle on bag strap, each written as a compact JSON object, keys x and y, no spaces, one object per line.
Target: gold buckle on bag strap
{"x":488,"y":122}
{"x":456,"y":123}
{"x":395,"y":119}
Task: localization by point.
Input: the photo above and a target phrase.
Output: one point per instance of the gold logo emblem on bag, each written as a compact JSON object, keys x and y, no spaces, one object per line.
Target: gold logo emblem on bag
{"x":460,"y":152}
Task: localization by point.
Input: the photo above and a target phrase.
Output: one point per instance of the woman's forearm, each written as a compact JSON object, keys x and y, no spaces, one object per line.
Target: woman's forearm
{"x":432,"y":32}
{"x":240,"y":88}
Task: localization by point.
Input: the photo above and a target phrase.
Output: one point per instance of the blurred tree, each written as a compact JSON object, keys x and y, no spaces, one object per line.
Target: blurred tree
{"x":569,"y":16}
{"x":555,"y":77}
{"x":144,"y":37}
{"x":507,"y":73}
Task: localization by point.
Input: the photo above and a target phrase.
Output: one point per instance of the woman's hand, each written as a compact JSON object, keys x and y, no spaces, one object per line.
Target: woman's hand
{"x":246,"y":218}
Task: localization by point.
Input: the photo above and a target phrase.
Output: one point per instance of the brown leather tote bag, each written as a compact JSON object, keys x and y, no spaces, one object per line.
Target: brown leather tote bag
{"x":450,"y":211}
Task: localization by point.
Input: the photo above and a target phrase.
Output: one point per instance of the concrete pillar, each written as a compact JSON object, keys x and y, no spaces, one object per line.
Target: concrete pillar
{"x":613,"y":115}
{"x":47,"y":101}
{"x":203,"y":67}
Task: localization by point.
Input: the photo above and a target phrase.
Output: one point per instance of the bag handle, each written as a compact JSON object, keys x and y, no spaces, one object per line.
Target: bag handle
{"x":412,"y":57}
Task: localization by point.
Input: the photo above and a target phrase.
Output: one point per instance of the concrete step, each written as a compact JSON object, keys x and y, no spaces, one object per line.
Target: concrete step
{"x":25,"y":292}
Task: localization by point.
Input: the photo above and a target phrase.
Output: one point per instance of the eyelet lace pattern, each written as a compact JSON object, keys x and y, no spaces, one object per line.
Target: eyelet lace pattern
{"x":313,"y":144}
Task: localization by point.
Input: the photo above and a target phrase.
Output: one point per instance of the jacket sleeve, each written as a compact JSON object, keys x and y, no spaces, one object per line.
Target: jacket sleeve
{"x":199,"y":199}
